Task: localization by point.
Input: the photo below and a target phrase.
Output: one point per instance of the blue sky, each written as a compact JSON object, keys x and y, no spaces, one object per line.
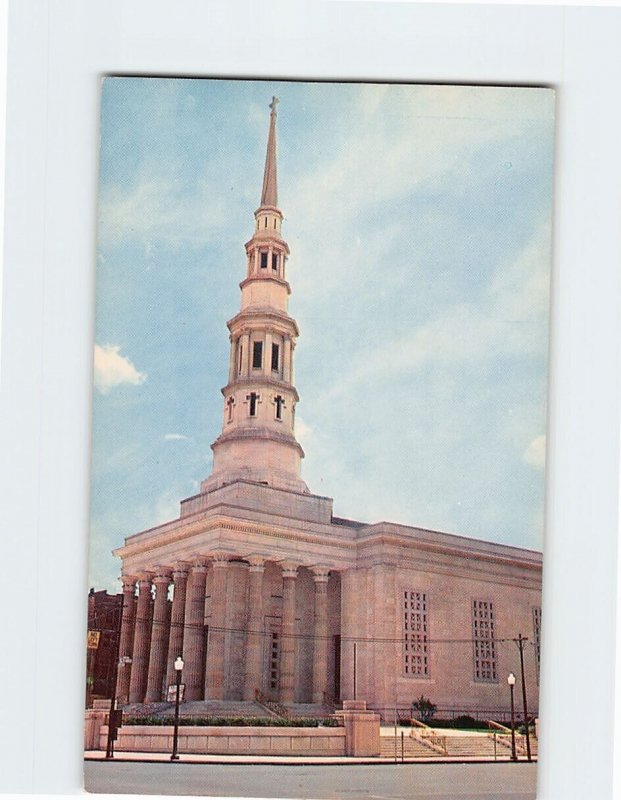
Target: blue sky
{"x":418,"y":219}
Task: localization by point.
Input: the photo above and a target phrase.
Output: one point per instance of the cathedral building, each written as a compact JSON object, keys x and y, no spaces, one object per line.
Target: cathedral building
{"x":266,"y":594}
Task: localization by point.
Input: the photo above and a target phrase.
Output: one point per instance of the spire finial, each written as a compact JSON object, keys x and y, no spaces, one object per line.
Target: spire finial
{"x":269,"y":194}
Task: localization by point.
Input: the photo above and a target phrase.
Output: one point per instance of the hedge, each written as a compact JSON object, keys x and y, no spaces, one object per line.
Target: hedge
{"x":263,"y":722}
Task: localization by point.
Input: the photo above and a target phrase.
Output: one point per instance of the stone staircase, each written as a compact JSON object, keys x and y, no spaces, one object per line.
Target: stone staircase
{"x":412,"y":748}
{"x":201,"y":708}
{"x":473,"y":747}
{"x":424,"y":744}
{"x":309,"y":710}
{"x":231,"y":708}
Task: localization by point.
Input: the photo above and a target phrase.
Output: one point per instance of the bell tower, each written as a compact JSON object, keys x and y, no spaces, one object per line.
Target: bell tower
{"x":257,"y":442}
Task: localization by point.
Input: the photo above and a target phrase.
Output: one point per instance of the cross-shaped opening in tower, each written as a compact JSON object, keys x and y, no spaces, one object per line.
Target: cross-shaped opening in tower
{"x":279,"y":402}
{"x":252,"y":399}
{"x":229,"y":408}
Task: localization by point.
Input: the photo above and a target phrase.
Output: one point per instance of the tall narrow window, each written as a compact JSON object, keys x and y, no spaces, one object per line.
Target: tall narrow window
{"x":265,"y":226}
{"x":415,"y":634}
{"x":537,"y":636}
{"x":240,"y":355}
{"x":263,"y":260}
{"x":484,"y":643}
{"x":257,"y":355}
{"x":274,"y":659}
{"x":275,"y":354}
{"x":274,"y":261}
{"x":252,"y":399}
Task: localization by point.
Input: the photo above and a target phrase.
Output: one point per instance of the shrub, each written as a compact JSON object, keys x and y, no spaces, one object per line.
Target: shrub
{"x":425,"y":708}
{"x":466,"y":721}
{"x":264,"y":722}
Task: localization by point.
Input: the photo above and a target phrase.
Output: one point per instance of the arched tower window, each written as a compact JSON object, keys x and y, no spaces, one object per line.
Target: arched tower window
{"x":275,"y":357}
{"x":257,"y":355}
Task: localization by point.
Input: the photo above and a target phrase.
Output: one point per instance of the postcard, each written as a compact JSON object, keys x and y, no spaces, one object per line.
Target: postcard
{"x":319,"y":434}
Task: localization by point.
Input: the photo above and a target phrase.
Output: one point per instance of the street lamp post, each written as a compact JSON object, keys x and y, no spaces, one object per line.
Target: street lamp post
{"x":521,"y":640}
{"x":511,"y":682}
{"x":113,"y":715}
{"x":178,"y":668}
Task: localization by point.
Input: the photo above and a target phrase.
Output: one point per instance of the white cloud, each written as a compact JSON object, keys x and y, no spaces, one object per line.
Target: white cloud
{"x":112,"y":369}
{"x":511,"y":319}
{"x":535,"y":453}
{"x":160,"y":208}
{"x":174,"y":437}
{"x":303,"y":432}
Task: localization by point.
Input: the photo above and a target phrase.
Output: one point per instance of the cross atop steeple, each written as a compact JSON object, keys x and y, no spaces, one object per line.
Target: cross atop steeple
{"x":269,"y":194}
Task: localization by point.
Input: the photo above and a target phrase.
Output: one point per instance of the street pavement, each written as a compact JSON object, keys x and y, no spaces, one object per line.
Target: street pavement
{"x":471,"y":781}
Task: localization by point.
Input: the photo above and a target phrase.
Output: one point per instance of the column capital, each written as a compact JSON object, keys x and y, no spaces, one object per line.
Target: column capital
{"x":128,"y":582}
{"x":145,"y":577}
{"x":320,"y":573}
{"x":289,"y":569}
{"x":219,"y":558}
{"x":180,"y":570}
{"x":199,"y":563}
{"x":162,"y":575}
{"x":257,"y":563}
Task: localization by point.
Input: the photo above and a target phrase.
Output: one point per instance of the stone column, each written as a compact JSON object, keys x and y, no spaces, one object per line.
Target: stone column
{"x":194,"y":631}
{"x":232,"y":359}
{"x":175,"y":639}
{"x":245,"y":365}
{"x":286,"y":359}
{"x":142,"y":639}
{"x":127,"y":638}
{"x":320,"y":635}
{"x":353,"y":627}
{"x":254,"y":642}
{"x":287,"y":651}
{"x":159,"y":638}
{"x":214,"y":674}
{"x":267,"y":361}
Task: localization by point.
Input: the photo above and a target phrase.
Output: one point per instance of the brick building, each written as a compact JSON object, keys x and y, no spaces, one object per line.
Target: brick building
{"x":104,"y":618}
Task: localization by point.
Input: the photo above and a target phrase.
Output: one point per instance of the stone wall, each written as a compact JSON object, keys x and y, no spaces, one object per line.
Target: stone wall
{"x":230,"y":740}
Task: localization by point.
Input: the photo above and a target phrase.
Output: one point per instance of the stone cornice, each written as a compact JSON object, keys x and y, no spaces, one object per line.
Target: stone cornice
{"x":174,"y":533}
{"x":419,"y":539}
{"x":267,"y":237}
{"x":260,"y":380}
{"x":263,"y":318}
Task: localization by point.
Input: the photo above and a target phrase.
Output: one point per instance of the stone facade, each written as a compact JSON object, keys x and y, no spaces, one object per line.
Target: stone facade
{"x":273,"y":593}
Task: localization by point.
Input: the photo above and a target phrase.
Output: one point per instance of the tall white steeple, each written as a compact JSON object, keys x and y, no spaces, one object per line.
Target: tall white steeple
{"x":257,"y":442}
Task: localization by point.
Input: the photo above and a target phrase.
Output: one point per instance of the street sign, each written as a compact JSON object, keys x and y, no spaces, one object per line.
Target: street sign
{"x":92,"y":640}
{"x":171,"y":694}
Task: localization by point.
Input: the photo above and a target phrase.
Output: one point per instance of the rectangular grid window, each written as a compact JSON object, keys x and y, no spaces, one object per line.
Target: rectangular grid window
{"x":274,"y":659}
{"x":537,"y":636}
{"x":415,"y":634}
{"x":484,"y":644}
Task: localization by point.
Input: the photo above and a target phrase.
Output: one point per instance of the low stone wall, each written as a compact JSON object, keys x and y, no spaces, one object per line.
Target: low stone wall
{"x":221,"y":740}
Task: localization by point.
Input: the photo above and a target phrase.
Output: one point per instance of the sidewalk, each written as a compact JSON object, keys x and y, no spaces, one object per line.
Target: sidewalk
{"x":199,"y":758}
